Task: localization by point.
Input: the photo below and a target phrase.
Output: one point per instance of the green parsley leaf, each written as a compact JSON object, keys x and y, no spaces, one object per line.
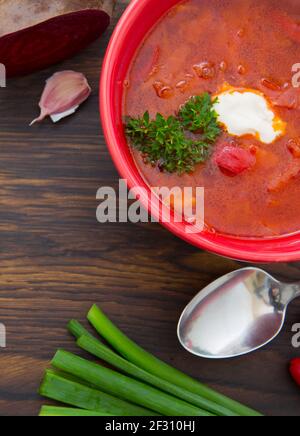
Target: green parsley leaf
{"x":198,"y":116}
{"x":166,"y":142}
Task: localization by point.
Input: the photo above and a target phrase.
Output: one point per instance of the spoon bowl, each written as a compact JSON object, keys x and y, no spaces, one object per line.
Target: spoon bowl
{"x":236,"y":315}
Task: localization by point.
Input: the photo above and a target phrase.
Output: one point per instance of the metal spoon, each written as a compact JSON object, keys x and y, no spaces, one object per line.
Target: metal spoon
{"x":235,"y":315}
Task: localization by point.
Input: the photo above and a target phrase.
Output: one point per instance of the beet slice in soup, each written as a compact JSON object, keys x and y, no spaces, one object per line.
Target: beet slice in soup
{"x":234,"y":160}
{"x":35,"y":34}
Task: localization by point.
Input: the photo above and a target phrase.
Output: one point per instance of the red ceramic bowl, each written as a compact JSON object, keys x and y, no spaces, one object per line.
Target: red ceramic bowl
{"x":138,"y":19}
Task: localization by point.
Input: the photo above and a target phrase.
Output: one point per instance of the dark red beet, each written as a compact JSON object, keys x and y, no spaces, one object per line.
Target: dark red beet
{"x":35,"y":34}
{"x":234,"y":160}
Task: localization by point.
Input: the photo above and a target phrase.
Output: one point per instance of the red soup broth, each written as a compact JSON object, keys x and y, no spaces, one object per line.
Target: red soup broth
{"x":247,"y":44}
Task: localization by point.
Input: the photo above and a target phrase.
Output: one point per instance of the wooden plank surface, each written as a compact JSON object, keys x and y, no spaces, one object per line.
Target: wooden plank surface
{"x":56,"y":260}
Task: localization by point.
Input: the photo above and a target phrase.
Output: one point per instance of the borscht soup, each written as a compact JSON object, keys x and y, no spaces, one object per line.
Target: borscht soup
{"x":212,"y":100}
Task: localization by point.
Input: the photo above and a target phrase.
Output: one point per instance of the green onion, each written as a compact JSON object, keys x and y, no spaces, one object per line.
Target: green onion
{"x":77,"y":330}
{"x":69,"y":392}
{"x":68,"y":377}
{"x":94,"y":347}
{"x":138,"y":356}
{"x":124,"y":387}
{"x":65,"y":411}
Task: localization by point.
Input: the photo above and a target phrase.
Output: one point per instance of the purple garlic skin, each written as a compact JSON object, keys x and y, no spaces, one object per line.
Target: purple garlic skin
{"x":64,"y":91}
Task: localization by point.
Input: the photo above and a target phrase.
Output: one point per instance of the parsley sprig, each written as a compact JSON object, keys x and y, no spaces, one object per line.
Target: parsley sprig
{"x":198,"y":115}
{"x":165,"y":141}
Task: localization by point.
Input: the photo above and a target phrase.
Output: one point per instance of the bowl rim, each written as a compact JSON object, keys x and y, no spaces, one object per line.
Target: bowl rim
{"x":287,"y":247}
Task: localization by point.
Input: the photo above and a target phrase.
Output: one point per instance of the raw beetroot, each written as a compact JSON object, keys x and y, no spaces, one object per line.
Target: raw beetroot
{"x":234,"y":160}
{"x":35,"y":33}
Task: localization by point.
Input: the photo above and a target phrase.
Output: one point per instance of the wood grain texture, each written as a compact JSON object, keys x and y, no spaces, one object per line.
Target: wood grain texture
{"x":56,"y":260}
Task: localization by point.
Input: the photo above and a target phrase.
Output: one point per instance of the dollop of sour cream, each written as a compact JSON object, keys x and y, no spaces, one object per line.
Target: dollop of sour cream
{"x":248,"y":112}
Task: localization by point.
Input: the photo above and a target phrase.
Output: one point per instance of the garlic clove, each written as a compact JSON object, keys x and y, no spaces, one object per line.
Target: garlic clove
{"x":63,"y":92}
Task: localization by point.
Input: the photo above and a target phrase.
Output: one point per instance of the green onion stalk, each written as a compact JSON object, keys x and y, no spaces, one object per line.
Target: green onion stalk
{"x":65,"y":390}
{"x":123,"y":387}
{"x":94,"y":347}
{"x":141,"y":358}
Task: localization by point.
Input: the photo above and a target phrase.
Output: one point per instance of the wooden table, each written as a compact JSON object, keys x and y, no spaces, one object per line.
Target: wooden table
{"x":56,"y":259}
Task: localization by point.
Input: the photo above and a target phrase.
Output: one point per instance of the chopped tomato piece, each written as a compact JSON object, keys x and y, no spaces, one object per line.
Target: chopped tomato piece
{"x":294,"y":147}
{"x":235,"y":160}
{"x":289,"y":99}
{"x":281,"y":181}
